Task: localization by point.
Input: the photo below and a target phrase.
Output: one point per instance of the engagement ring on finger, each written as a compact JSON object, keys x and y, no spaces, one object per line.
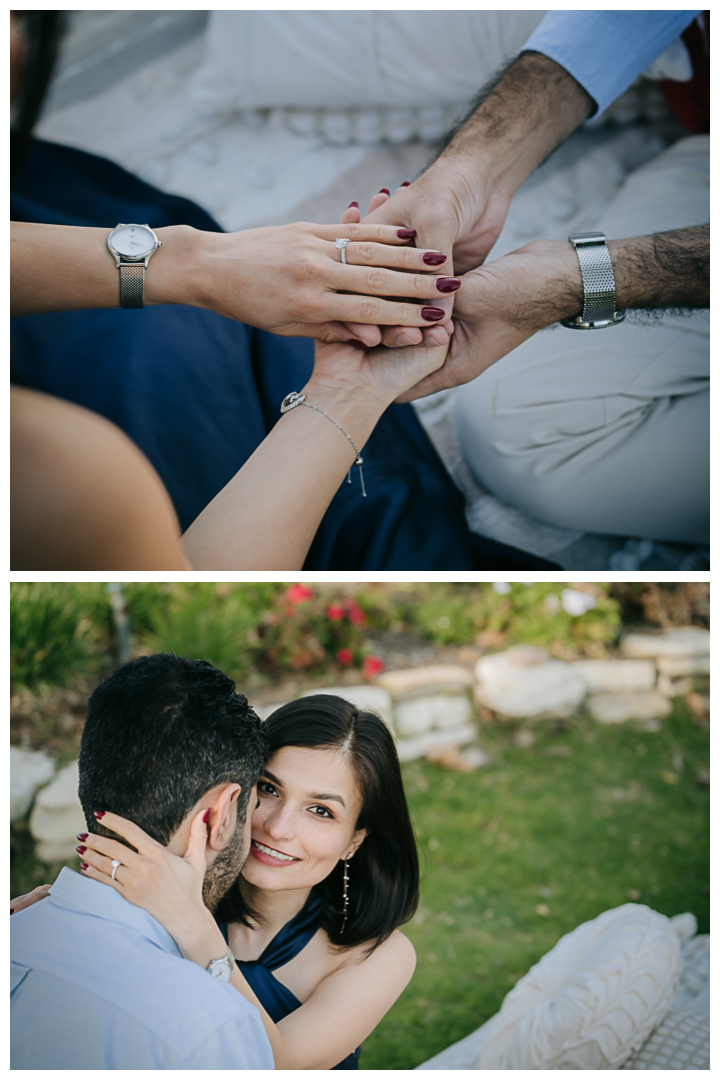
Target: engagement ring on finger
{"x":341,"y":243}
{"x":115,"y":864}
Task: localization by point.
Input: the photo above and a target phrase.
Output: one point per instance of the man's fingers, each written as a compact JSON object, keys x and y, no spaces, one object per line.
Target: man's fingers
{"x":128,"y":830}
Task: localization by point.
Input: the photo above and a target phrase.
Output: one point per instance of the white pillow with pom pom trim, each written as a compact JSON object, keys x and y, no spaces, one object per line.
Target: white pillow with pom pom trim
{"x":593,"y":999}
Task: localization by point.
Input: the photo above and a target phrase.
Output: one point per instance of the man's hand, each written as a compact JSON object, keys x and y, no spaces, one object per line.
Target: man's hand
{"x":503,"y":304}
{"x":459,"y":204}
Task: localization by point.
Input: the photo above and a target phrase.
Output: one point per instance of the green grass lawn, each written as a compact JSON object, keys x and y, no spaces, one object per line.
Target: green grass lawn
{"x":584,"y":820}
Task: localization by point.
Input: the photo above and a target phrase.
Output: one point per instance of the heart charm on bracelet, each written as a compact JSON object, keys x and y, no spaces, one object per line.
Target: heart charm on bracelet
{"x":291,"y":401}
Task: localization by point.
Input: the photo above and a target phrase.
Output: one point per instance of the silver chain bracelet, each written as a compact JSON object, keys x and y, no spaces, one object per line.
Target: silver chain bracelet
{"x":294,"y":399}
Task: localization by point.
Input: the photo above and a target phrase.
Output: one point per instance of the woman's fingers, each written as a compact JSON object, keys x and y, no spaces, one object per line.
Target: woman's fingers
{"x":197,"y":841}
{"x":377,"y":281}
{"x":377,"y":200}
{"x":100,"y":867}
{"x":371,"y":253}
{"x":378,"y":234}
{"x":30,"y":898}
{"x":128,"y":830}
{"x":377,"y":312}
{"x":103,"y":845}
{"x":351,"y":215}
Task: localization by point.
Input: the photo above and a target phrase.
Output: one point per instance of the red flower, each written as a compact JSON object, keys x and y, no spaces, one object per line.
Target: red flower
{"x":297,"y":593}
{"x":355,"y":613}
{"x":345,"y":656}
{"x":372,"y":666}
{"x":335,"y":612}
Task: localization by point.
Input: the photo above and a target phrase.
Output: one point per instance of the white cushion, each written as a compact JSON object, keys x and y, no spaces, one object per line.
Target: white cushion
{"x":592,"y":1000}
{"x":354,"y":59}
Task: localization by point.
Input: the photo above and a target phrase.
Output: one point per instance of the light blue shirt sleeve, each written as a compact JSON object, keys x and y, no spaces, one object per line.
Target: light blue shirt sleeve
{"x":607,"y":50}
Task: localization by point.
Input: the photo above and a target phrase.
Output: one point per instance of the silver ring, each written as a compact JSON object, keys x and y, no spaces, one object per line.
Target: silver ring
{"x":115,"y":864}
{"x":341,"y":243}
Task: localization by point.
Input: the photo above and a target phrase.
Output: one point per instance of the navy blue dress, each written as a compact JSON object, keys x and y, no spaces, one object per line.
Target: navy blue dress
{"x":275,"y":998}
{"x":198,"y":392}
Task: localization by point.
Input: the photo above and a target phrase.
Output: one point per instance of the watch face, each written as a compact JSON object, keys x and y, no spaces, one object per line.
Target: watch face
{"x":133,"y":241}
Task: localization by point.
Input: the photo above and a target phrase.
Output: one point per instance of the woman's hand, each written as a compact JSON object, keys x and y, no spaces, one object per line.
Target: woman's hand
{"x":30,"y":898}
{"x":165,"y":885}
{"x":290,"y":279}
{"x":380,"y":375}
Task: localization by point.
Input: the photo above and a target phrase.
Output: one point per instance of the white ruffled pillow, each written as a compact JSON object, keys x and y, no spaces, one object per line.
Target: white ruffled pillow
{"x":355,"y":76}
{"x":593,"y":999}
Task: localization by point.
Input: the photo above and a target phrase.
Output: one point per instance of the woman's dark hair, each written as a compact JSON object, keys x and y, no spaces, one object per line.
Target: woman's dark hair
{"x":384,"y":873}
{"x":42,"y":33}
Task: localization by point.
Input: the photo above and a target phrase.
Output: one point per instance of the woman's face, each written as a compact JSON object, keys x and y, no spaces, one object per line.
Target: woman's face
{"x":309,"y":803}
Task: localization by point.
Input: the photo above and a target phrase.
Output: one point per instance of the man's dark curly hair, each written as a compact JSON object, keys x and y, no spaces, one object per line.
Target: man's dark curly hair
{"x":161,"y":732}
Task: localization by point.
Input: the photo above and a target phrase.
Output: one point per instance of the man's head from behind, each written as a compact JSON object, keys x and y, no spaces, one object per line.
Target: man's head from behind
{"x":161,"y":733}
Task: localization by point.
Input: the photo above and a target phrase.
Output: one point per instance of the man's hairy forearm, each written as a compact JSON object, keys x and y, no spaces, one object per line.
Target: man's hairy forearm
{"x":526,"y":110}
{"x":669,"y":270}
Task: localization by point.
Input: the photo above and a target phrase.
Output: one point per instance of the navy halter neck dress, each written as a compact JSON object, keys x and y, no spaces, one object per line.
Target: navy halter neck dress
{"x":276,"y":999}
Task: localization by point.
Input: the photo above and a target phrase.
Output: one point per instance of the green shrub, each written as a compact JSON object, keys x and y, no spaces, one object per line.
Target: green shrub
{"x":202,"y":623}
{"x":50,"y":636}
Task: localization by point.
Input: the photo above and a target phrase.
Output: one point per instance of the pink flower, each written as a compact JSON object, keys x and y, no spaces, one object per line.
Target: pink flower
{"x":297,"y":593}
{"x":345,"y":656}
{"x":372,"y":666}
{"x":335,"y":612}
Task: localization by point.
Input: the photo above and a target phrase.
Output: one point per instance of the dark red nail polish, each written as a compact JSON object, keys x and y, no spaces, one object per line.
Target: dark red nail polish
{"x":83,"y":866}
{"x":12,"y":910}
{"x":82,"y":835}
{"x":384,"y":191}
{"x":405,"y":183}
{"x":434,"y":258}
{"x":206,"y":816}
{"x":357,"y":343}
{"x":406,"y":234}
{"x":432,"y":314}
{"x":81,"y":849}
{"x":448,"y":284}
{"x":354,"y":204}
{"x":98,"y":814}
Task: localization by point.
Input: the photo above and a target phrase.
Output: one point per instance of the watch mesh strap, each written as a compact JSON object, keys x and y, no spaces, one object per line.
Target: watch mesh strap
{"x":598,"y":281}
{"x":132,"y":281}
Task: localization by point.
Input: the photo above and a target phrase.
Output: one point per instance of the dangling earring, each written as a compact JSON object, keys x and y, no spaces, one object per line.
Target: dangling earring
{"x":345,"y":896}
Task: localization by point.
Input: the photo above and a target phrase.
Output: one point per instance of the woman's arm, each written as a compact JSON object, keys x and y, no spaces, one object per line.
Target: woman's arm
{"x":337,"y":1016}
{"x":286,"y":279}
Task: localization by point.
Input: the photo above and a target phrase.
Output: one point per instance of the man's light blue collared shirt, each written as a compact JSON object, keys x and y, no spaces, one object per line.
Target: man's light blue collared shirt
{"x":607,"y":50}
{"x":97,"y":983}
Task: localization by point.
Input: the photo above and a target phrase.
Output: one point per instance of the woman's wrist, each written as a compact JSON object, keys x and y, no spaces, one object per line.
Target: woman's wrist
{"x":173,"y":272}
{"x":200,"y":939}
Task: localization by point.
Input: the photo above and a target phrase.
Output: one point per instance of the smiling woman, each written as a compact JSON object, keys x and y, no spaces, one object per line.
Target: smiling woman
{"x":311,"y":924}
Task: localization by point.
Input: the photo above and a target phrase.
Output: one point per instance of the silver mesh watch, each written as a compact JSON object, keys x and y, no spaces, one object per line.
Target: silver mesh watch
{"x":598,"y":284}
{"x":132,"y":246}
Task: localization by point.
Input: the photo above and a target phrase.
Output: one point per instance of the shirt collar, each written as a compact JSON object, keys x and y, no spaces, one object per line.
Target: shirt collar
{"x":82,"y":894}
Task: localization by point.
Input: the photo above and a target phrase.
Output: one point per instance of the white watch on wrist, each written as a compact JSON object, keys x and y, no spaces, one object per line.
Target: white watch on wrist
{"x":132,"y":247}
{"x":222,"y":969}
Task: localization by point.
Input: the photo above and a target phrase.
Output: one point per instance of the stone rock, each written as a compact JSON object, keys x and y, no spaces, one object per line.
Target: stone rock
{"x":674,"y":666}
{"x":29,"y":770}
{"x":450,"y":756}
{"x":373,"y":698}
{"x":674,"y":687}
{"x":435,"y":678}
{"x":417,"y":747}
{"x":512,"y":688}
{"x":616,"y":676}
{"x":616,"y":708}
{"x":433,"y":711}
{"x":57,"y":816}
{"x":682,"y":641}
{"x":526,"y":655}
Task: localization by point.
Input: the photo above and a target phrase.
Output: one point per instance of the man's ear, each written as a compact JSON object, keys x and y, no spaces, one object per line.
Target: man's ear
{"x":221,"y":822}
